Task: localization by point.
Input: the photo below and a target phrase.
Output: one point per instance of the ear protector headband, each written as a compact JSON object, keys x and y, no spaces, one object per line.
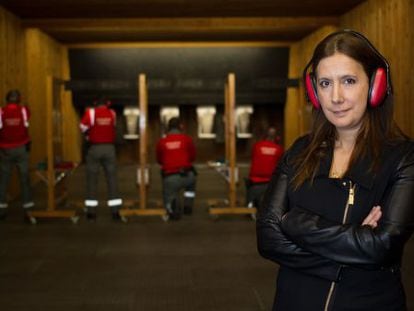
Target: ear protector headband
{"x":379,"y":84}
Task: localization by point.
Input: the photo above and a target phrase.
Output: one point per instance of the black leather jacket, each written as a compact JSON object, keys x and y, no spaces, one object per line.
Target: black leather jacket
{"x":316,"y":229}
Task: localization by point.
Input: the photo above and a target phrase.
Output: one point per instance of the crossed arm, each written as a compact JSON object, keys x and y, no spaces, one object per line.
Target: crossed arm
{"x":275,"y":245}
{"x":378,"y":242}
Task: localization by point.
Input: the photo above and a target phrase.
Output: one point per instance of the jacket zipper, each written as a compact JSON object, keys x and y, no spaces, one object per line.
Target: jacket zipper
{"x":349,"y":204}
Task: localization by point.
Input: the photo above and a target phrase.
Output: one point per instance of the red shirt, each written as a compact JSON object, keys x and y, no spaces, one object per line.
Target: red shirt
{"x":99,"y":124}
{"x":14,"y":124}
{"x":265,"y":156}
{"x":174,"y":152}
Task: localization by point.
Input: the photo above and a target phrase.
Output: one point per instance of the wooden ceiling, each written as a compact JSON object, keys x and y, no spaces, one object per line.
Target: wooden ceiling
{"x":80,"y":21}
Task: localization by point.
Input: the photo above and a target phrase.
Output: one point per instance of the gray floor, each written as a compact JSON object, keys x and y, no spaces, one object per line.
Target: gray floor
{"x":194,"y":264}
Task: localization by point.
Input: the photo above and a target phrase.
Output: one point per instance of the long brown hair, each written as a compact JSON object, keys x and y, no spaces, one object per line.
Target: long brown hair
{"x":378,"y":126}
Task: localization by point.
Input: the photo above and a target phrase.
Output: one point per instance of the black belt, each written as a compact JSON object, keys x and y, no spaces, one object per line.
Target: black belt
{"x":183,"y":172}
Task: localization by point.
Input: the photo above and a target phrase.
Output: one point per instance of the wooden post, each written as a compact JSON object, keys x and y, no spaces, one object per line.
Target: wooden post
{"x":49,"y":145}
{"x":232,"y":138}
{"x":230,"y":130}
{"x":142,"y":209}
{"x":143,"y":139}
{"x":226,"y":126}
{"x":50,"y":177}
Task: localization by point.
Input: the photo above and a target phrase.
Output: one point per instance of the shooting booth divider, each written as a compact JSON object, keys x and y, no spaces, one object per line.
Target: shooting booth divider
{"x":54,"y":170}
{"x":141,"y":208}
{"x":229,"y":169}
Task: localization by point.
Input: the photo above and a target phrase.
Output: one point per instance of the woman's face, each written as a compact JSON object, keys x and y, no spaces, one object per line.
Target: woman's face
{"x":342,"y":87}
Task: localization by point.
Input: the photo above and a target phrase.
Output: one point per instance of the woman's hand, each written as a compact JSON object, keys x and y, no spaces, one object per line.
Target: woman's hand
{"x":373,"y":217}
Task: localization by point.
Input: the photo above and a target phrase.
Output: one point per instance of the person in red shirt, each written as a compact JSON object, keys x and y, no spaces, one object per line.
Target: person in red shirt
{"x":265,"y":156}
{"x":176,"y":154}
{"x":14,"y":149}
{"x":98,"y":124}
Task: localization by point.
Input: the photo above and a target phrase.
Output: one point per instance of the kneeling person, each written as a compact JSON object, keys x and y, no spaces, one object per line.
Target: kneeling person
{"x":265,"y":157}
{"x":175,"y":154}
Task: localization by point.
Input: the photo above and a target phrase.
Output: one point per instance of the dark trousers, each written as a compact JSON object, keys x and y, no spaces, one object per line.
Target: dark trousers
{"x":18,"y":157}
{"x":101,"y":155}
{"x":173,"y":185}
{"x":254,"y":193}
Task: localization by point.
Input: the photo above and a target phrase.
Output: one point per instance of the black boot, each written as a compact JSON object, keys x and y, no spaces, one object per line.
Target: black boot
{"x":188,"y":205}
{"x":91,"y":216}
{"x":91,"y":213}
{"x":188,"y":210}
{"x":174,"y":211}
{"x":3,"y":213}
{"x":116,"y":216}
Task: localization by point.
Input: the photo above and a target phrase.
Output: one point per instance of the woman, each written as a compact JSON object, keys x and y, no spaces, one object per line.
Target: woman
{"x":339,"y":207}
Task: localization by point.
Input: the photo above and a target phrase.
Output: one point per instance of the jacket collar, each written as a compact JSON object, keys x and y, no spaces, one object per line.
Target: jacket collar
{"x":174,"y":131}
{"x":358,"y":173}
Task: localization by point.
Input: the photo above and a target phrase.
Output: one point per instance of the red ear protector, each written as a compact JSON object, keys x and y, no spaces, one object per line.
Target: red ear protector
{"x":379,"y":85}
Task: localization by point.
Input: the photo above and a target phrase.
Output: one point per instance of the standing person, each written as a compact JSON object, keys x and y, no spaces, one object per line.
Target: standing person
{"x":176,"y":153}
{"x":14,"y":149}
{"x":98,"y":124}
{"x":339,"y":208}
{"x":265,"y":156}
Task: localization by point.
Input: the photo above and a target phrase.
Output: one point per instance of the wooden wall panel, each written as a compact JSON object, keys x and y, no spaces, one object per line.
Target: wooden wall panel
{"x":12,"y":54}
{"x":72,"y":138}
{"x":37,"y":96}
{"x":387,"y":24}
{"x":47,"y":57}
